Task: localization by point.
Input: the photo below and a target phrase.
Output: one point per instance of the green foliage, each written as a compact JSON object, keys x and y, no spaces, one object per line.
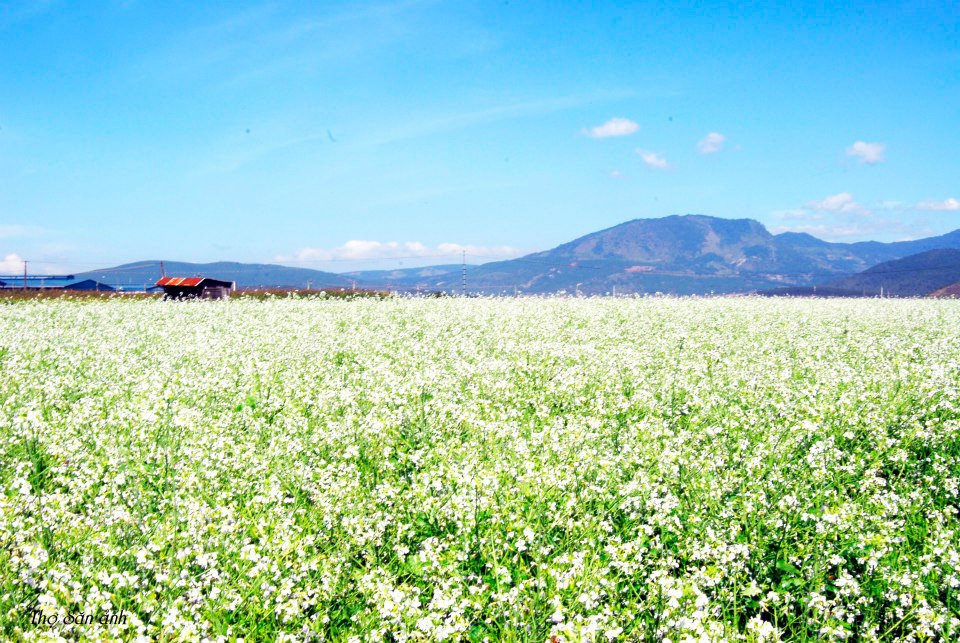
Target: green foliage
{"x":470,"y":469}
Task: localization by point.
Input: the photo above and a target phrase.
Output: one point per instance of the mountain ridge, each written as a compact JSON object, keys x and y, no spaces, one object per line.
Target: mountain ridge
{"x":916,"y":275}
{"x":680,"y":254}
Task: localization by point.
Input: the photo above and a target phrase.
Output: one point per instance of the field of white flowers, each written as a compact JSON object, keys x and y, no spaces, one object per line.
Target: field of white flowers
{"x":471,"y":469}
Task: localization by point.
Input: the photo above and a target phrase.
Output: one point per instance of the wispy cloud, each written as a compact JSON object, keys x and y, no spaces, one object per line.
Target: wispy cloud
{"x":368,"y":250}
{"x":233,"y":152}
{"x":711,"y":143}
{"x":452,"y":122}
{"x":10,"y":230}
{"x":798,"y":214}
{"x":842,"y":203}
{"x":947,"y":205}
{"x":839,"y":217}
{"x":860,"y":230}
{"x":613,"y":127}
{"x":270,"y":40}
{"x":18,"y":10}
{"x":869,"y":153}
{"x":420,"y":195}
{"x":654,"y":160}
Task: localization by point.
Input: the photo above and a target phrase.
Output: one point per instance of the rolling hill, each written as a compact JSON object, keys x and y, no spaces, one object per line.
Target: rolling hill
{"x":247,"y":275}
{"x":914,"y":276}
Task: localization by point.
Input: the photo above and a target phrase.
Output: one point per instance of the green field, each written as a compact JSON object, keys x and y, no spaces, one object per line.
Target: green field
{"x":470,"y":469}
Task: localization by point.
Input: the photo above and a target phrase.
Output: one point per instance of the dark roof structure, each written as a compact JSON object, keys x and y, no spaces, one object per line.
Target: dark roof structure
{"x":89,"y":284}
{"x":54,"y":283}
{"x":184,"y":287}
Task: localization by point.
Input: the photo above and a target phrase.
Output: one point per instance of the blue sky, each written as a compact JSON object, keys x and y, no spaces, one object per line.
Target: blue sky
{"x":353,"y":135}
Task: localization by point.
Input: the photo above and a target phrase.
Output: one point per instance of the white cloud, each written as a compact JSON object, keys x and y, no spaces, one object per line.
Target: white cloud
{"x":798,"y":214}
{"x":616,"y":174}
{"x":711,"y":143}
{"x":947,"y":205}
{"x":892,"y":204}
{"x":869,"y":153}
{"x":890,"y":229}
{"x":493,"y":114}
{"x":843,"y":203}
{"x":613,"y":127}
{"x":358,"y":250}
{"x":839,"y":217}
{"x":8,"y":230}
{"x":12,"y":264}
{"x":653,"y":159}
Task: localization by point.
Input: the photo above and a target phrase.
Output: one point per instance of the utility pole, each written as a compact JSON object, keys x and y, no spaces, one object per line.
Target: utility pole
{"x":163,"y":271}
{"x":464,"y":272}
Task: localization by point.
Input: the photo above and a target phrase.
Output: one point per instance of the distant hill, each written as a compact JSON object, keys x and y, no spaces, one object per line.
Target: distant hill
{"x":247,"y":275}
{"x":688,"y":254}
{"x":947,"y":292}
{"x":406,"y":278}
{"x":934,"y":273}
{"x":914,"y":276}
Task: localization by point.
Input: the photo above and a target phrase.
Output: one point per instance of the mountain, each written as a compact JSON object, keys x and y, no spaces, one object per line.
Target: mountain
{"x":856,"y":257}
{"x":247,"y":275}
{"x":688,"y":254}
{"x":914,"y":276}
{"x":681,"y":254}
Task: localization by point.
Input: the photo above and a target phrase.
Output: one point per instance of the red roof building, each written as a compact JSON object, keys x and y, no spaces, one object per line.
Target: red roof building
{"x":203,"y":287}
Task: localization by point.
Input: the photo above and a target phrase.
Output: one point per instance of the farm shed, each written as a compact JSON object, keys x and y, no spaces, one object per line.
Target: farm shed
{"x":204,"y":287}
{"x":89,"y":284}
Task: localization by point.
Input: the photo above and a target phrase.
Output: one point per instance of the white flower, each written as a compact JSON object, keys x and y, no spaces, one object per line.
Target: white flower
{"x":763,"y":630}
